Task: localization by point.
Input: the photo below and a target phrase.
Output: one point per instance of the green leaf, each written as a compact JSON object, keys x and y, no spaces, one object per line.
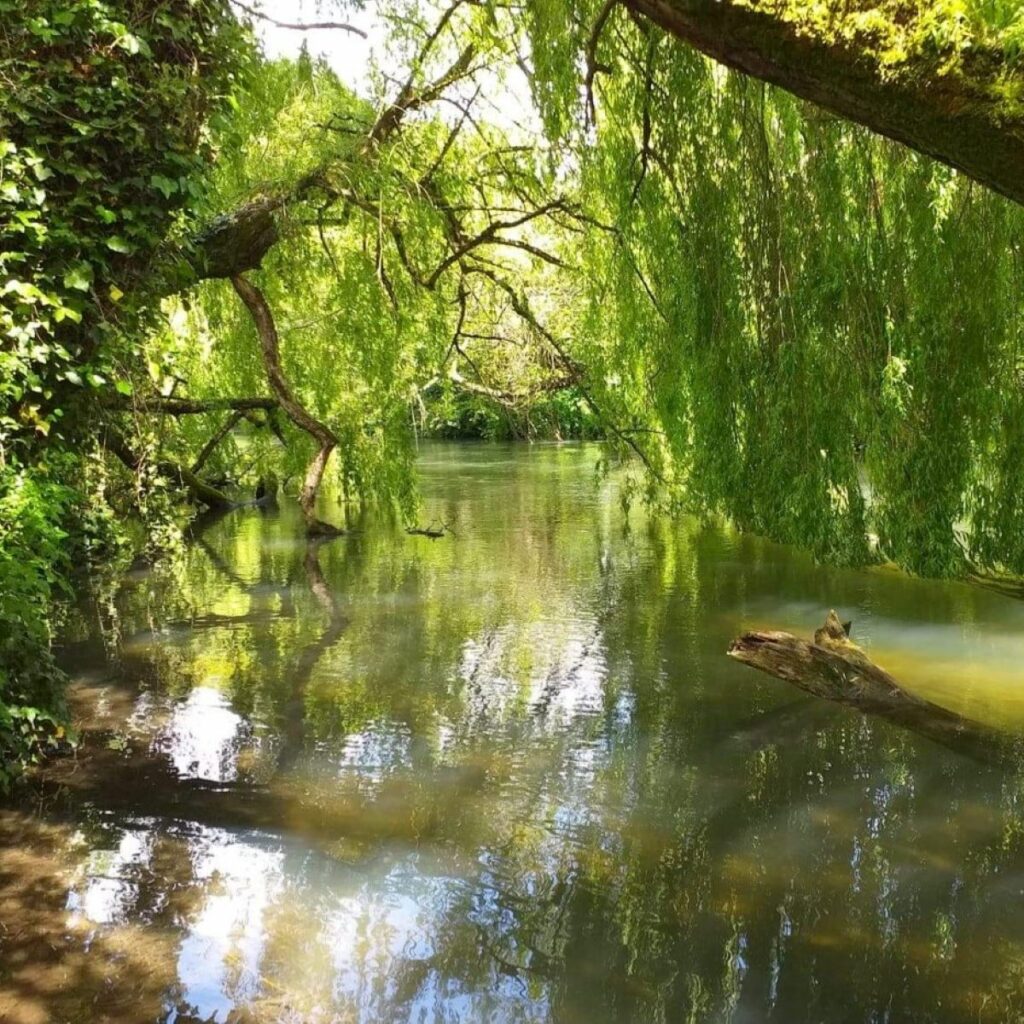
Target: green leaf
{"x":118,"y":244}
{"x":167,"y":186}
{"x":79,"y":277}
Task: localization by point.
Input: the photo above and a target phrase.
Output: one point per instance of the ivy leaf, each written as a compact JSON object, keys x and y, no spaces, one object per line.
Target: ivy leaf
{"x":79,"y":277}
{"x":118,"y":244}
{"x":167,"y":186}
{"x":123,"y":387}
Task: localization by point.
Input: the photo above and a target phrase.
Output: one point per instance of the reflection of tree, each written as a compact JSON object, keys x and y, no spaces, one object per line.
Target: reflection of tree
{"x":294,"y":721}
{"x":517,"y":774}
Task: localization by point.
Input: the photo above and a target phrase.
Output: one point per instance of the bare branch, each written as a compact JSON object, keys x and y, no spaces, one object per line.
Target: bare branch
{"x":489,"y":236}
{"x":218,"y":435}
{"x":522,"y":309}
{"x":407,"y":101}
{"x":199,"y":490}
{"x":593,"y":67}
{"x":299,"y":26}
{"x":327,"y":440}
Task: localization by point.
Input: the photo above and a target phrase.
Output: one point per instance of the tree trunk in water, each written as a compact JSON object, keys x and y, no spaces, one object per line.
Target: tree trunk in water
{"x":198,"y":489}
{"x":952,"y":106}
{"x":256,"y":303}
{"x":833,"y":667}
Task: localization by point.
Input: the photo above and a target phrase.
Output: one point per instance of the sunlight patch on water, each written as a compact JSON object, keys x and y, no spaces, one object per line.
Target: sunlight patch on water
{"x":203,"y":736}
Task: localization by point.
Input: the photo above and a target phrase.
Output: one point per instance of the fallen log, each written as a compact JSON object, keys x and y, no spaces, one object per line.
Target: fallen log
{"x":833,"y":667}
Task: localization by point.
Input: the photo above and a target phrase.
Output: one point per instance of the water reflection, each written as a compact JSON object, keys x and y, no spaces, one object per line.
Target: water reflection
{"x":510,"y":776}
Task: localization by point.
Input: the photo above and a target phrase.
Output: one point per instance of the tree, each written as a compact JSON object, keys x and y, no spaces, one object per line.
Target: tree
{"x":415,"y":232}
{"x":823,"y":344}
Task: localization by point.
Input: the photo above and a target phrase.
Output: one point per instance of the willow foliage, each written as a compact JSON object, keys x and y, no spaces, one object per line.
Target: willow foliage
{"x":398,"y":255}
{"x":816,"y":332}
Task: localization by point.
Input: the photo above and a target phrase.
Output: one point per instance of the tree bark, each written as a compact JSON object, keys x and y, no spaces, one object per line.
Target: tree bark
{"x":834,"y":668}
{"x":327,"y":441}
{"x":198,"y":489}
{"x":238,"y":240}
{"x":962,"y":115}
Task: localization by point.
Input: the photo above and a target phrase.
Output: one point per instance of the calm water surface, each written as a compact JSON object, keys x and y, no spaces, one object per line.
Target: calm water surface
{"x":509,"y":775}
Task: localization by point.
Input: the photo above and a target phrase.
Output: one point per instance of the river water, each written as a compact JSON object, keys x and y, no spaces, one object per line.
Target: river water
{"x":510,"y":775}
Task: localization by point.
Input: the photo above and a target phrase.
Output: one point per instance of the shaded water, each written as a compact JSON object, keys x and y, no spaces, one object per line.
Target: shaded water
{"x":509,"y":775}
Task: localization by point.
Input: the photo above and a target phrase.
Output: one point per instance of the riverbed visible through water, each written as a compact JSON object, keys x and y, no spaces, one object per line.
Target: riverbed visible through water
{"x":510,"y":775}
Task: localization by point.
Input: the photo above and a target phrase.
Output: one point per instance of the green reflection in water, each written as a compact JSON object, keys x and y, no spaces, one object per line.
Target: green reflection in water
{"x":509,"y":775}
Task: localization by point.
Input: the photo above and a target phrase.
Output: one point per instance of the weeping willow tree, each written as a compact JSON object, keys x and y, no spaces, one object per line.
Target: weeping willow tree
{"x":404,"y":255}
{"x":816,"y":332}
{"x":942,"y":77}
{"x":793,"y":323}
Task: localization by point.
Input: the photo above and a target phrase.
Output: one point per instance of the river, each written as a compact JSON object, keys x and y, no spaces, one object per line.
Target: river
{"x":510,"y":775}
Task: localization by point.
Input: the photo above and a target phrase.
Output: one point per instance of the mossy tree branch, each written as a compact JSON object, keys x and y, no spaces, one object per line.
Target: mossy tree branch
{"x":876,"y":64}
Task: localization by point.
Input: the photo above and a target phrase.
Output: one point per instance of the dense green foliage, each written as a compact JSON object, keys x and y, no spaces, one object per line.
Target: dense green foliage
{"x":104,"y":129}
{"x":818,"y":329}
{"x":103,"y":138}
{"x":32,"y":567}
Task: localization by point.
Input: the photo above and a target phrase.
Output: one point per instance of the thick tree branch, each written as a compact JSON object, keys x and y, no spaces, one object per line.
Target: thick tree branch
{"x":199,"y":490}
{"x":836,"y":669}
{"x":956,"y":108}
{"x":327,"y":441}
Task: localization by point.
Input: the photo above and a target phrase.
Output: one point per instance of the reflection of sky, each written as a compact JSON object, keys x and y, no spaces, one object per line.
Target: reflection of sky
{"x":264,"y":909}
{"x":203,"y":736}
{"x":375,"y":751}
{"x":565,"y":681}
{"x":219,"y":959}
{"x":106,"y":891}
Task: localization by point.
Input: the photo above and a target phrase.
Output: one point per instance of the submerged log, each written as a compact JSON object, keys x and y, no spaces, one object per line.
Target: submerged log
{"x":833,"y":667}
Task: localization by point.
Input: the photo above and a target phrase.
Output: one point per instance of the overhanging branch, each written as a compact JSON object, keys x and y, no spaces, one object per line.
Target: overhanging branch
{"x":954,"y":107}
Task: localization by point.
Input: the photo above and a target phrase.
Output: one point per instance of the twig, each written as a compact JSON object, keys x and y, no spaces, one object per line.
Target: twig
{"x":593,"y":66}
{"x":344,"y":26}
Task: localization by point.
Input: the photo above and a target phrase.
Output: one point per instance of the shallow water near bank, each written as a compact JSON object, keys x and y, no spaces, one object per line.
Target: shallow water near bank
{"x":510,"y":775}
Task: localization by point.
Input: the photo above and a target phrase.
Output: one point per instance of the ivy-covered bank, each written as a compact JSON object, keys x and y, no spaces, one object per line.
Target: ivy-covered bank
{"x":105,"y":126}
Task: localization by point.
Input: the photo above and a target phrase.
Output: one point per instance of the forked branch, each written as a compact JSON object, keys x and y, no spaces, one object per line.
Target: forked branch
{"x":324,"y":437}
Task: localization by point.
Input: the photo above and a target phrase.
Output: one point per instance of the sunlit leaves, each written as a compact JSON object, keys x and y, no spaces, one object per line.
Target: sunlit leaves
{"x":816,"y":330}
